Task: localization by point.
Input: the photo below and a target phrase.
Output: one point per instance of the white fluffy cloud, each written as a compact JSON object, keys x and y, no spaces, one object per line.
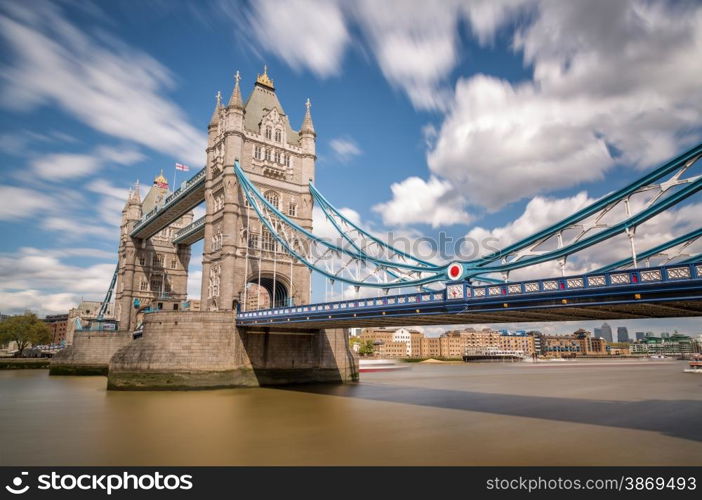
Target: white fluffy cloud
{"x":106,"y":84}
{"x":19,"y":203}
{"x":61,"y":166}
{"x":344,"y":148}
{"x":38,"y":279}
{"x":415,"y":43}
{"x":416,"y":201}
{"x":315,"y":40}
{"x":602,"y":83}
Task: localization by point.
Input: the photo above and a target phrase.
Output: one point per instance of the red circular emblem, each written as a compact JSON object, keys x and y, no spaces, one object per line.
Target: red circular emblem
{"x":455,"y":271}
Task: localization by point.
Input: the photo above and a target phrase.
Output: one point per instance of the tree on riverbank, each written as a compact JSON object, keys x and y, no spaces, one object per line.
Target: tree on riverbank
{"x":24,"y":330}
{"x":366,"y":348}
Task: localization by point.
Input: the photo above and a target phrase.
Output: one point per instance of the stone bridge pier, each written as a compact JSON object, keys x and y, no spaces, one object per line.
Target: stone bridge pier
{"x":204,"y":350}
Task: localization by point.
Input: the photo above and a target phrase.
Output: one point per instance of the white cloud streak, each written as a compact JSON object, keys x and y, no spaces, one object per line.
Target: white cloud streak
{"x":114,"y":88}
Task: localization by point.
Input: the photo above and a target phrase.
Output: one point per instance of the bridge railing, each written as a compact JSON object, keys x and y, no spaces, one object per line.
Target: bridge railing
{"x":467,"y":292}
{"x":186,"y":187}
{"x":190,"y":228}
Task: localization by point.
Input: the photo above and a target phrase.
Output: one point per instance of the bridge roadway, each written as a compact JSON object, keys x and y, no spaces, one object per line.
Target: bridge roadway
{"x":189,"y":195}
{"x":656,"y":292}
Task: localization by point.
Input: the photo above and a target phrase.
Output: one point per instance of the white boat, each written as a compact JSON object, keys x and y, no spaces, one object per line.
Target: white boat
{"x":380,"y":365}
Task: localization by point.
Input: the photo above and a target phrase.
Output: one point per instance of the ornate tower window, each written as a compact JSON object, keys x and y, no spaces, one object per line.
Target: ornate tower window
{"x":258,"y":152}
{"x":278,"y":135}
{"x":269,"y":133}
{"x":143,"y":285}
{"x":276,"y":156}
{"x":174,"y":262}
{"x":273,"y":198}
{"x":268,"y":242}
{"x":268,"y":155}
{"x":292,"y":209}
{"x":253,"y":240}
{"x":142,"y":259}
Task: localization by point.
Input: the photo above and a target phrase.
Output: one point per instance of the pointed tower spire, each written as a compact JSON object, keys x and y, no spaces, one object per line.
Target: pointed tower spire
{"x":235,"y":101}
{"x":134,"y":195}
{"x":307,"y":125}
{"x":215,"y":114}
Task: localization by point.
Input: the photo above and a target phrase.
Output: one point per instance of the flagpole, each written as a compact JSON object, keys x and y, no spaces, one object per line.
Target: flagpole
{"x":175,"y":171}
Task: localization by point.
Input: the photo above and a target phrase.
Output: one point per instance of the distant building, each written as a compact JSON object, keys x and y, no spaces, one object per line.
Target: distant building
{"x":665,"y":335}
{"x":640,"y":335}
{"x":597,"y":332}
{"x":606,"y":332}
{"x":580,"y":342}
{"x":58,"y":326}
{"x":622,"y":334}
{"x":86,"y":311}
{"x":355,"y":332}
{"x":402,"y":342}
{"x":674,"y":345}
{"x":539,"y":343}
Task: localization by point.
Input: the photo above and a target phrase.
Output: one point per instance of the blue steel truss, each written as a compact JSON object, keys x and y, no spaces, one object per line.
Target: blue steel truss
{"x":359,"y":258}
{"x":598,"y":289}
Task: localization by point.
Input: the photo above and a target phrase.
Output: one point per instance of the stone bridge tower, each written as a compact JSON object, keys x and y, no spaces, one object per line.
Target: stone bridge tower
{"x":152,"y":271}
{"x":242,"y":262}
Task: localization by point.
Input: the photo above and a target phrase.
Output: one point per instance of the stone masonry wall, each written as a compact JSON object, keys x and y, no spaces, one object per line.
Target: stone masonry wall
{"x":90,"y":353}
{"x":191,"y":350}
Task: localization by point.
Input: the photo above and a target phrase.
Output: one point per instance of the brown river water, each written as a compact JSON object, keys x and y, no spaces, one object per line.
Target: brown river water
{"x":583,"y":413}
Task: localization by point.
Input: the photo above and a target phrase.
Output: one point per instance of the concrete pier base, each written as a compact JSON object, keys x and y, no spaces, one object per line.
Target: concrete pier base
{"x":89,"y":354}
{"x":204,"y":350}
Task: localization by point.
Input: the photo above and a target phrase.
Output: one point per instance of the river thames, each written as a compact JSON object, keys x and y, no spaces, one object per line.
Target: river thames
{"x":582,"y":413}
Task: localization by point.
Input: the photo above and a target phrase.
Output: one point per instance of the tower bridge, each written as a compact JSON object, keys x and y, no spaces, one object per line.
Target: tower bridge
{"x":257,"y":324}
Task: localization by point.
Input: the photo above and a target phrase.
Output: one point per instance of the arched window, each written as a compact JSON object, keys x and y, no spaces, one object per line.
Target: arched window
{"x":278,"y":135}
{"x":273,"y":198}
{"x":268,"y":133}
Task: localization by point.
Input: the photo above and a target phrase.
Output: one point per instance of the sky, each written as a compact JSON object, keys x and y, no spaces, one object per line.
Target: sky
{"x":487,"y":119}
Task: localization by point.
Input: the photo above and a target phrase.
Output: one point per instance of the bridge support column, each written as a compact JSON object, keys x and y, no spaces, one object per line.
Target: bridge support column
{"x":89,"y":354}
{"x":201,"y":350}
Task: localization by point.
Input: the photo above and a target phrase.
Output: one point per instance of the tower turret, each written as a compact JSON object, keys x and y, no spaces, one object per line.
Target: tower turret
{"x":235,"y":108}
{"x":307,"y":133}
{"x":214,"y":126}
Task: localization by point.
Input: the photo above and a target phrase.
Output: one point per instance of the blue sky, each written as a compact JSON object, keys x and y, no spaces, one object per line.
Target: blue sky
{"x":463,"y":117}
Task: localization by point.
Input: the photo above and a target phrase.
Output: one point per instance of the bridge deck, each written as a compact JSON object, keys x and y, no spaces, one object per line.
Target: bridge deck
{"x":181,"y":201}
{"x":191,"y":233}
{"x":671,"y":291}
